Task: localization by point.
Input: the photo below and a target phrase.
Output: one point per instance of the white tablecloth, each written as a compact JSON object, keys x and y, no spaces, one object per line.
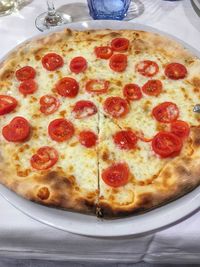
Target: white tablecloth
{"x":22,"y":237}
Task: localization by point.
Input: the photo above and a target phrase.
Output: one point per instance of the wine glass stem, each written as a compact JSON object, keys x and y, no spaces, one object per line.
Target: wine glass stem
{"x":51,"y":8}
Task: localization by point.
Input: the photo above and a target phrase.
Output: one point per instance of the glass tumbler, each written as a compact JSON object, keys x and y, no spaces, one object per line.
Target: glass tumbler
{"x":108,"y":9}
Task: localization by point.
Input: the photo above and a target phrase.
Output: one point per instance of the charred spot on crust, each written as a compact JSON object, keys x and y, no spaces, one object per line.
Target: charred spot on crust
{"x":145,"y":200}
{"x":68,"y":32}
{"x":43,"y":193}
{"x":7,"y":74}
{"x":115,"y":34}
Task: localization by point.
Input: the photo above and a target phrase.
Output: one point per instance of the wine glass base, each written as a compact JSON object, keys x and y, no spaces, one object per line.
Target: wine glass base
{"x":44,"y":22}
{"x":136,"y":8}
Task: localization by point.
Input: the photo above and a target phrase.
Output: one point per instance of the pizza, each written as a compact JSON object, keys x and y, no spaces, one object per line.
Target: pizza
{"x":100,"y":122}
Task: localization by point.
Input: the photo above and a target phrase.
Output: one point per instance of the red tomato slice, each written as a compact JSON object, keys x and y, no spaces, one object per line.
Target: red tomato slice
{"x":116,"y":175}
{"x":7,"y":104}
{"x":132,"y":92}
{"x":103,"y":52}
{"x":67,"y":87}
{"x":120,"y":44}
{"x":61,"y":130}
{"x":152,"y":87}
{"x":45,"y":158}
{"x":147,"y":68}
{"x":17,"y":130}
{"x":84,"y":109}
{"x":180,"y":128}
{"x":175,"y":71}
{"x":25,"y":73}
{"x":167,"y":144}
{"x":97,"y":86}
{"x":78,"y":64}
{"x":87,"y":138}
{"x":166,"y":112}
{"x":49,"y":104}
{"x":118,"y":62}
{"x":28,"y":87}
{"x":116,"y":106}
{"x":125,"y":139}
{"x":52,"y":61}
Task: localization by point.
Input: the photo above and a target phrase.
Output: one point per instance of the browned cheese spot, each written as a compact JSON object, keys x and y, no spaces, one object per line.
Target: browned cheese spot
{"x":105,"y":156}
{"x":147,"y":106}
{"x":196,"y":82}
{"x":161,"y":127}
{"x":62,"y":113}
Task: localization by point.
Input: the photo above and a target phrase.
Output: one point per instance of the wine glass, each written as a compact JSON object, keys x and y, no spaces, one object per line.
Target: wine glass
{"x":51,"y":18}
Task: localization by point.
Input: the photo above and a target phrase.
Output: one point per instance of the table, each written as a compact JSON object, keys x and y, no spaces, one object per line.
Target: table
{"x":22,"y":237}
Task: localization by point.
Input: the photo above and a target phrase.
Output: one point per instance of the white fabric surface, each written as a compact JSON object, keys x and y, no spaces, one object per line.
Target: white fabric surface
{"x":22,"y":237}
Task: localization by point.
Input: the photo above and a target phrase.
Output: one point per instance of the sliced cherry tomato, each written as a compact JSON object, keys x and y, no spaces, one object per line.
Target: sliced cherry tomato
{"x":132,"y":92}
{"x":67,"y":87}
{"x":118,"y":62}
{"x":87,"y":138}
{"x":52,"y":61}
{"x":84,"y":109}
{"x":78,"y":64}
{"x":166,"y":112}
{"x":152,"y":87}
{"x":25,"y":73}
{"x":45,"y":158}
{"x":7,"y":104}
{"x":116,"y":106}
{"x":49,"y":104}
{"x":103,"y":52}
{"x":167,"y":144}
{"x":120,"y":44}
{"x":180,"y":128}
{"x":28,"y":87}
{"x":97,"y":86}
{"x":175,"y":71}
{"x":125,"y":139}
{"x":61,"y":130}
{"x":116,"y":175}
{"x":147,"y":68}
{"x":17,"y":130}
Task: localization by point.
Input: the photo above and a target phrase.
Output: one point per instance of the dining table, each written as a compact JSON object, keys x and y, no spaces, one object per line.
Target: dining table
{"x":24,"y":239}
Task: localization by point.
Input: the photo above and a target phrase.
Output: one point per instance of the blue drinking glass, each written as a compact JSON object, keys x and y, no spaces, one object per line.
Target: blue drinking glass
{"x":108,"y":9}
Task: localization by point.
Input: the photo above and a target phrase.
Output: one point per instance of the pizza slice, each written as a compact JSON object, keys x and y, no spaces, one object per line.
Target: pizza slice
{"x":136,"y":175}
{"x":49,"y":129}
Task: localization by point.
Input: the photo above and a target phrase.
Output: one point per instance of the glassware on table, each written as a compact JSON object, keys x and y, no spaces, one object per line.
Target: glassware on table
{"x":51,"y":18}
{"x":7,"y":6}
{"x":108,"y":9}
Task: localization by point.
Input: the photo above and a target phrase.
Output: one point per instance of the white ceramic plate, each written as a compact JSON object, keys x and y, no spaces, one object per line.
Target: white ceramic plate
{"x":90,"y":225}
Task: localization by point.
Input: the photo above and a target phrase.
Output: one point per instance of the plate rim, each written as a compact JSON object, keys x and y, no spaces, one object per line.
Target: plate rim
{"x":191,"y":206}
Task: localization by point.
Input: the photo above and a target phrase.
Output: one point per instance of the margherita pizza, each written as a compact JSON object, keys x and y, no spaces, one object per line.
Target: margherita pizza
{"x":100,"y":122}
